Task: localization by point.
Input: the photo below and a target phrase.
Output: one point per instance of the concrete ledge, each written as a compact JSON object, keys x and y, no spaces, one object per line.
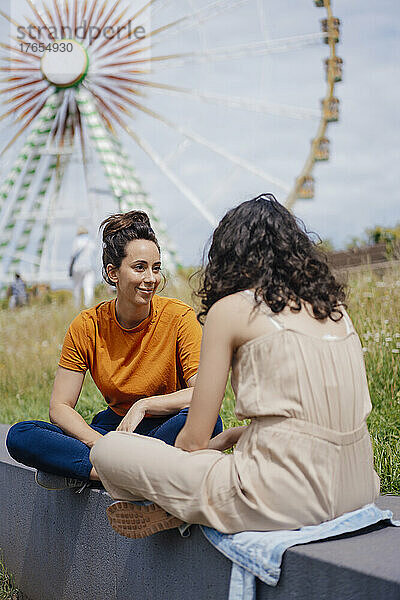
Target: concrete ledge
{"x":60,"y":547}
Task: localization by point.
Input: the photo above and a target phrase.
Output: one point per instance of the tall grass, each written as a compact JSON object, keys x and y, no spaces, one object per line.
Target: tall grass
{"x":8,"y":589}
{"x":375,"y":309}
{"x":31,"y":339}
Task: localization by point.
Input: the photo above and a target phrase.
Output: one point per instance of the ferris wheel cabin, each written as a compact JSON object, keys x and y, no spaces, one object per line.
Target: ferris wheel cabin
{"x":306,"y":187}
{"x":334,"y":68}
{"x":321,"y":149}
{"x":330,"y":107}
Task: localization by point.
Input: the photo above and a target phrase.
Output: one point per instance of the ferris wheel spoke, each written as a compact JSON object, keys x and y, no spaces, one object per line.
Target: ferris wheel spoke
{"x":179,"y":184}
{"x":39,"y":17}
{"x":105,"y":20}
{"x":177,"y":151}
{"x":75,"y":16}
{"x":67,"y":13}
{"x":202,"y":141}
{"x":17,"y":50}
{"x":212,"y":10}
{"x":90,"y":17}
{"x":11,"y":60}
{"x":84,"y":9}
{"x":17,"y":25}
{"x":196,"y":202}
{"x":113,"y":92}
{"x":81,"y":135}
{"x":59,"y":12}
{"x":219,"y":190}
{"x":109,"y":109}
{"x":26,"y":164}
{"x":124,"y":184}
{"x":26,"y":125}
{"x":115,"y":22}
{"x":220,"y":54}
{"x":21,"y":105}
{"x":20,"y":85}
{"x":18,"y":69}
{"x":51,"y":18}
{"x":57,"y":134}
{"x":249,"y":104}
{"x":43,"y":248}
{"x":23,"y":94}
{"x":15,"y":78}
{"x":111,"y":39}
{"x":239,"y":51}
{"x":185,"y":22}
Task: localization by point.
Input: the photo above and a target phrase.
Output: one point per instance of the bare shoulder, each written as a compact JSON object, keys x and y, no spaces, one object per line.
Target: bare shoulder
{"x":240,"y":318}
{"x":231,"y":312}
{"x":229,"y":305}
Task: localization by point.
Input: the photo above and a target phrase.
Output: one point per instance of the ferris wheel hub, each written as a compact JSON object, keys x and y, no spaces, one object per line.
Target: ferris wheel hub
{"x":65,"y":68}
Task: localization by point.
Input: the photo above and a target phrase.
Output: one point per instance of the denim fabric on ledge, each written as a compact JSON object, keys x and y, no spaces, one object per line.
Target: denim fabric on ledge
{"x":259,"y":553}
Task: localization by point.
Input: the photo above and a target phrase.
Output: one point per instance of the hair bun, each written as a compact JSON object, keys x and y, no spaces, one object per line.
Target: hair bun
{"x":122,"y":221}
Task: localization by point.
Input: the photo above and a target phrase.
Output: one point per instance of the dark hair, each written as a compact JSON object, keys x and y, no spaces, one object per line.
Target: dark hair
{"x":260,"y":244}
{"x":118,"y":231}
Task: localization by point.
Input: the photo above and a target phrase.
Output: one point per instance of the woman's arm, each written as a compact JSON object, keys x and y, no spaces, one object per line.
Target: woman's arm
{"x":215,"y":361}
{"x":157,"y":405}
{"x":66,"y":390}
{"x":227,"y":438}
{"x":169,"y":403}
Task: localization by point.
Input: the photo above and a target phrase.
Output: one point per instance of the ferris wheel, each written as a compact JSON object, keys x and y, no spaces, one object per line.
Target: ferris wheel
{"x":107,"y":101}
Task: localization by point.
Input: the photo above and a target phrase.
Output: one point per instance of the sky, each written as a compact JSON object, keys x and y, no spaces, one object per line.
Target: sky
{"x":356,"y":189}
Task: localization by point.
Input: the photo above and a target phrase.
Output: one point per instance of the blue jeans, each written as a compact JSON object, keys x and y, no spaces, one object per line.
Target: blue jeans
{"x":46,"y":447}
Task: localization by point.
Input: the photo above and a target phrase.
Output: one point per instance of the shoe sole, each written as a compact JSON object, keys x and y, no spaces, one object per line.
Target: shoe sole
{"x":139,"y":521}
{"x":47,"y":486}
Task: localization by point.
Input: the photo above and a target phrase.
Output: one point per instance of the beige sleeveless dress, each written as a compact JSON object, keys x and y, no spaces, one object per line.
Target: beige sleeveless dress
{"x":305,"y":458}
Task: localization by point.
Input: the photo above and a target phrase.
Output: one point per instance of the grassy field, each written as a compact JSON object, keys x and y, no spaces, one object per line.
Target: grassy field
{"x":8,"y":589}
{"x":31,"y":338}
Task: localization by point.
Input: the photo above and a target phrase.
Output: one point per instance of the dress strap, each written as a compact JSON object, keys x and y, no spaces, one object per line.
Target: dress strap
{"x":347,"y":320}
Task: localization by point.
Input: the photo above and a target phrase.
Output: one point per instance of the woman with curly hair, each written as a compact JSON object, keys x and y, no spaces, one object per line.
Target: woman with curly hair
{"x":276,"y":315}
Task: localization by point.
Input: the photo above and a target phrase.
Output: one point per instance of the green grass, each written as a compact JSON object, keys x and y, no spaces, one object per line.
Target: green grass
{"x":8,"y":589}
{"x":31,"y":339}
{"x":375,"y":309}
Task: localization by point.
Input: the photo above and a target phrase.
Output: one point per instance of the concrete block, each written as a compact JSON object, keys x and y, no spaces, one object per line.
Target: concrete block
{"x":59,"y":546}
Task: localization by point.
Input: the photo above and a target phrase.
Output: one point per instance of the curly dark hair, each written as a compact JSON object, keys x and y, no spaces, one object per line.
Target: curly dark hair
{"x":260,"y":244}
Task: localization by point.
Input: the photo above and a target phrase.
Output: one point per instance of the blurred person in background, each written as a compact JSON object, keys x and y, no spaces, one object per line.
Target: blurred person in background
{"x":18,"y":294}
{"x":81,"y":269}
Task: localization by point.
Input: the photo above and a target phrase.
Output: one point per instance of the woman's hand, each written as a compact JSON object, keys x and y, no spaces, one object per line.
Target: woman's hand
{"x":133,"y":417}
{"x":226,"y":439}
{"x":222,"y":441}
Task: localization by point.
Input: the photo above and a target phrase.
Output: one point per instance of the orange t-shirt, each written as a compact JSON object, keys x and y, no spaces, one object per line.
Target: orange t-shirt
{"x":156,"y":357}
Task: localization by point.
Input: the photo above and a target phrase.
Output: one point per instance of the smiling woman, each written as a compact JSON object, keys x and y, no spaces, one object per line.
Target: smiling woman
{"x":142,"y":351}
